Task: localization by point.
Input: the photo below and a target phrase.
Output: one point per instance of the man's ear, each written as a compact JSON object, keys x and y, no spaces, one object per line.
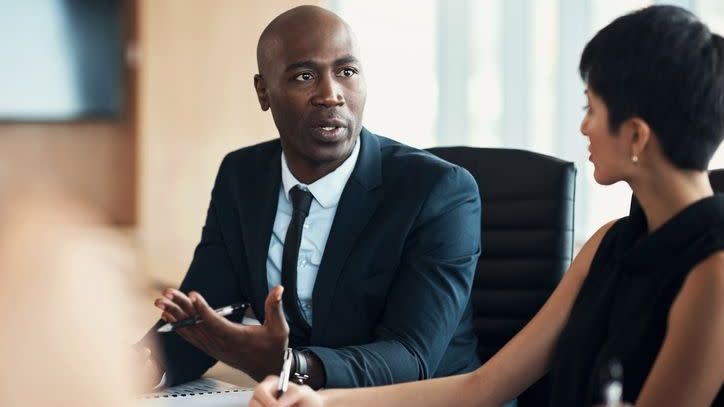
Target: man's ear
{"x":260,"y":86}
{"x":640,"y":135}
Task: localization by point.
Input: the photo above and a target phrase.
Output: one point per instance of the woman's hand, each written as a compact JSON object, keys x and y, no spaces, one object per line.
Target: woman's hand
{"x":298,"y":396}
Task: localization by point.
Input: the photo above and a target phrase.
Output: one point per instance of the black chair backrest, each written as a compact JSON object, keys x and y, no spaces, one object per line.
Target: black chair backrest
{"x":716,"y":178}
{"x":527,"y":241}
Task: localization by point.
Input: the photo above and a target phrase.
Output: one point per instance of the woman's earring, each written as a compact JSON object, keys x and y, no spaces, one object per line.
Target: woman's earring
{"x":635,"y":159}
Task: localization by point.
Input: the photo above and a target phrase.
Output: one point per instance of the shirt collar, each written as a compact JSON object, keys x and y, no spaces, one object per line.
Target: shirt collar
{"x":328,"y":189}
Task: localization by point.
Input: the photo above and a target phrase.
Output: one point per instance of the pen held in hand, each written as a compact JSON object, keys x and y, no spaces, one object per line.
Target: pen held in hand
{"x":283,"y":383}
{"x":232,"y":309}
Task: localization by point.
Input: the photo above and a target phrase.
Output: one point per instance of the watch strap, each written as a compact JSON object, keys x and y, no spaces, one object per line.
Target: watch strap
{"x":300,"y":371}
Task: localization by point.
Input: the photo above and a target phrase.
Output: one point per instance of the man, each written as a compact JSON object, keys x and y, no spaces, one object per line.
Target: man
{"x":374,"y":242}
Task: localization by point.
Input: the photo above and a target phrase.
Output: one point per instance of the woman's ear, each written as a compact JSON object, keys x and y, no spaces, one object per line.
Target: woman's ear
{"x":260,"y":87}
{"x":640,"y":135}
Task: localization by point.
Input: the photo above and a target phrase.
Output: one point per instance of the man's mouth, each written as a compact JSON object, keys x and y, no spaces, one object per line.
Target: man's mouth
{"x":328,"y":133}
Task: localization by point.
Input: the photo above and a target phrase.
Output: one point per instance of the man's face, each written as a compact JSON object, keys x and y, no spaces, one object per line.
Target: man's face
{"x":313,"y":83}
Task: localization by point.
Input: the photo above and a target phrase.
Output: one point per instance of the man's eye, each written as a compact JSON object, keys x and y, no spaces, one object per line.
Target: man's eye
{"x":305,"y":76}
{"x":347,"y":72}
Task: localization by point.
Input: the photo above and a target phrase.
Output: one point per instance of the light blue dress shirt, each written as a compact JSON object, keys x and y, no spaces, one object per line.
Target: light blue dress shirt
{"x":326,"y":191}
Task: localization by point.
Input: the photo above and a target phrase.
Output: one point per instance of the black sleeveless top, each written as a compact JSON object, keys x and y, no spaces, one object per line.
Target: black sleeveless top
{"x":622,"y":309}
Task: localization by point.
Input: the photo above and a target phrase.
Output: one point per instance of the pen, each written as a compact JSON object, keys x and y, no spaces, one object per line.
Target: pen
{"x":284,"y":375}
{"x":613,"y":388}
{"x":223,"y":311}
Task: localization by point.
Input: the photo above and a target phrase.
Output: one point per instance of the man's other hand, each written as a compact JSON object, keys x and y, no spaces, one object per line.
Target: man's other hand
{"x":256,"y":350}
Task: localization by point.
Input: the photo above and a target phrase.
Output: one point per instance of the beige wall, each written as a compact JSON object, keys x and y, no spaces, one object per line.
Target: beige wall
{"x":93,"y":160}
{"x":195,"y":103}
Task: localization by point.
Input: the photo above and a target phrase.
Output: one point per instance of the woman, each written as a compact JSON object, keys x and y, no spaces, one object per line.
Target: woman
{"x":645,"y":292}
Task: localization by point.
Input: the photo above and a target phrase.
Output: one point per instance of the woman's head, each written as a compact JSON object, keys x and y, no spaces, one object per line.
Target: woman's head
{"x":660,"y":68}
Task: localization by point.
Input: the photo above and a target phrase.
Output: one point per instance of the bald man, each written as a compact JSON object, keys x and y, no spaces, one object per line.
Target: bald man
{"x":354,"y":250}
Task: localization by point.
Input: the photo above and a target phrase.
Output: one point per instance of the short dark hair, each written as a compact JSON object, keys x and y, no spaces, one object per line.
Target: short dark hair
{"x":662,"y":64}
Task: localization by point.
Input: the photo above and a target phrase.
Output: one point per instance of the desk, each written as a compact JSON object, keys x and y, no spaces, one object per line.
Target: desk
{"x":226,"y":373}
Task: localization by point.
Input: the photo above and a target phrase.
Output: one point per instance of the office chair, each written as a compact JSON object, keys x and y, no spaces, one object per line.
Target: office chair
{"x":716,"y":178}
{"x":527,"y":241}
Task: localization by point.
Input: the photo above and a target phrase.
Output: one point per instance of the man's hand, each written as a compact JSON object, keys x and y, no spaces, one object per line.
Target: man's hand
{"x":297,"y":396}
{"x":256,"y":350}
{"x":151,"y":372}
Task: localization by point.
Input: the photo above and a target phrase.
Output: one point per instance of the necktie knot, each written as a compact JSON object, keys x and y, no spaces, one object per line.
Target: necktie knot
{"x":301,"y":199}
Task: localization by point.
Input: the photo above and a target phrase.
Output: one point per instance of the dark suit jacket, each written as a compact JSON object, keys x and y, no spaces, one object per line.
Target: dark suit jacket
{"x":391,"y":298}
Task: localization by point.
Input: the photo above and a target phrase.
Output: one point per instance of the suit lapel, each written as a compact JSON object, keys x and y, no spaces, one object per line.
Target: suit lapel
{"x":359,"y":200}
{"x":257,"y":221}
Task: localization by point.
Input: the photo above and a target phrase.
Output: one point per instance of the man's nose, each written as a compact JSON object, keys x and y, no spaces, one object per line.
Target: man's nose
{"x":329,"y":92}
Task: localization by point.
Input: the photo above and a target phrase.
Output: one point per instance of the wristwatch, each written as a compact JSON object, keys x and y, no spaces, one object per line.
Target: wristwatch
{"x":300,"y":368}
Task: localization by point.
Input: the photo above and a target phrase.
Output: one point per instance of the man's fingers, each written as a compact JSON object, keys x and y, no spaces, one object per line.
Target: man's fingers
{"x":212,"y":321}
{"x":208,"y":335}
{"x":180,"y":299}
{"x":168,"y":317}
{"x":171,"y":308}
{"x":274,"y":319}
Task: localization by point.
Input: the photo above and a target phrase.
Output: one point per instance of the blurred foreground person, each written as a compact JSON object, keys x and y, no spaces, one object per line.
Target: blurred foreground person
{"x":646,"y":292}
{"x":65,"y":332}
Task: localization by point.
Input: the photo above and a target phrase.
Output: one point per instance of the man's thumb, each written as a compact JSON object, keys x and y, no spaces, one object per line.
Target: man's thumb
{"x":273,"y":310}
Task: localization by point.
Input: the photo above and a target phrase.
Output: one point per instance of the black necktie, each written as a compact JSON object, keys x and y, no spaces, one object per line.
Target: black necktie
{"x":301,"y":201}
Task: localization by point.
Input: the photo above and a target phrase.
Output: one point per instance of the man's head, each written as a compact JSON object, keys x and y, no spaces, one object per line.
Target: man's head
{"x":311,"y":78}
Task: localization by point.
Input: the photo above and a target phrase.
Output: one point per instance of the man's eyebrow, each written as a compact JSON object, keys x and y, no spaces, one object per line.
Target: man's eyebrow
{"x":345,"y":60}
{"x":302,"y":64}
{"x":349,"y":59}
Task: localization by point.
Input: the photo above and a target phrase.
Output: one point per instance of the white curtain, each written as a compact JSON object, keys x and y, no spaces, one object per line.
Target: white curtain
{"x":493,"y":73}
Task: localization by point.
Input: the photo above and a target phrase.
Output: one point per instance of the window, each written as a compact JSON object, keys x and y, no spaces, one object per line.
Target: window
{"x":494,"y":73}
{"x":60,"y":60}
{"x":399,"y":62}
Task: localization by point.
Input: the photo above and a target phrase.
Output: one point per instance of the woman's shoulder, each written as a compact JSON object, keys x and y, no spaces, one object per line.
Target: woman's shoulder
{"x":702,"y":295}
{"x":702,"y":291}
{"x":608,"y":229}
{"x":707,"y":276}
{"x":590,"y":249}
{"x":603,"y":240}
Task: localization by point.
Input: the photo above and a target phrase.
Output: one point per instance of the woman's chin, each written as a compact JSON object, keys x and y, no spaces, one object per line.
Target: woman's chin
{"x":603,"y":179}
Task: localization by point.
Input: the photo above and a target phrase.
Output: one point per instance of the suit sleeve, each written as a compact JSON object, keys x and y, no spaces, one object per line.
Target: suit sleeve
{"x":428,"y":296}
{"x":210,"y":274}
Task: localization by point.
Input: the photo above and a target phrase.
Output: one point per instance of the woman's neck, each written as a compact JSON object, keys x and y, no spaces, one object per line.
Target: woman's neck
{"x":665,"y":192}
